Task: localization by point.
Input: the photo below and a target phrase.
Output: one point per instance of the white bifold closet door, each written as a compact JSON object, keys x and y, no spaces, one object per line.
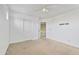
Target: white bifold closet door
{"x":31,"y":30}
{"x":22,"y":30}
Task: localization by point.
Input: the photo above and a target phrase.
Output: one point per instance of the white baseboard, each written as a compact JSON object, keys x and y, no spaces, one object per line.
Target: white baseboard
{"x":3,"y":49}
{"x":65,"y":42}
{"x":22,"y":40}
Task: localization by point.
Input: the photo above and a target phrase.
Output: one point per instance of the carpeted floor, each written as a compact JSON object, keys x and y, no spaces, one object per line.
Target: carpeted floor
{"x":41,"y":47}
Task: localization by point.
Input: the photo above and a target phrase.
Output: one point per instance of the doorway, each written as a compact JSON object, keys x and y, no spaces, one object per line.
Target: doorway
{"x":43,"y":30}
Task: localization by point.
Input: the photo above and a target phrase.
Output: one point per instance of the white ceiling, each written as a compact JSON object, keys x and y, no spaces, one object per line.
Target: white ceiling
{"x":34,"y":11}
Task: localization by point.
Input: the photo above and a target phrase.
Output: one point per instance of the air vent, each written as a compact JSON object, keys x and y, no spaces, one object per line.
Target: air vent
{"x":64,"y":24}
